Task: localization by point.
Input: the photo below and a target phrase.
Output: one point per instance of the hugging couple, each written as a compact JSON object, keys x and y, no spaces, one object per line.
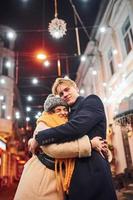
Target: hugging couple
{"x":72,"y":162}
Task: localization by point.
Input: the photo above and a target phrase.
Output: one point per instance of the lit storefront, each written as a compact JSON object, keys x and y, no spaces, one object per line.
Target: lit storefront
{"x":3,"y":161}
{"x":124,"y":120}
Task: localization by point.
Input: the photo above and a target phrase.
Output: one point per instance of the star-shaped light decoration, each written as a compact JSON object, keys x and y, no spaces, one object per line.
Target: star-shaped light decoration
{"x":57,"y":27}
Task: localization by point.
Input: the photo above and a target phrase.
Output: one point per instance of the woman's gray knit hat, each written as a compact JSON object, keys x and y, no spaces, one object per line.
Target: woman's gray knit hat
{"x":52,"y":101}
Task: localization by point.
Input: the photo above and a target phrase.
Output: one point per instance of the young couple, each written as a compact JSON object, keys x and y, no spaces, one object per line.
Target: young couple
{"x":79,"y":169}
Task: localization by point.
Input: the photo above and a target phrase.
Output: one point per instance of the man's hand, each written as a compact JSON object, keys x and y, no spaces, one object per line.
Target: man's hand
{"x":32,"y":145}
{"x":100,"y":145}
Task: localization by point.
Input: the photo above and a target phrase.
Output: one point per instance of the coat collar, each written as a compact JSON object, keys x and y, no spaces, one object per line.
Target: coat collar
{"x":76,"y":104}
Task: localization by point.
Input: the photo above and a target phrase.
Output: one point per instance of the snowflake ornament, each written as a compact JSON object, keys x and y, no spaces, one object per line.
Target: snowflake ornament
{"x":57,"y":28}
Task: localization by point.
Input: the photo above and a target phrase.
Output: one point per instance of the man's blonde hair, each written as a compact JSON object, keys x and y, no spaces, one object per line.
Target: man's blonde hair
{"x":60,"y":81}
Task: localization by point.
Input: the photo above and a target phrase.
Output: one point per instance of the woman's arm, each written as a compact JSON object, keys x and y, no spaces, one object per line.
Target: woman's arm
{"x":40,"y":127}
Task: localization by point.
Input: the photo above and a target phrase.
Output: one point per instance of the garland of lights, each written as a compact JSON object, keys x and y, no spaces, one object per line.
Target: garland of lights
{"x":57,"y":27}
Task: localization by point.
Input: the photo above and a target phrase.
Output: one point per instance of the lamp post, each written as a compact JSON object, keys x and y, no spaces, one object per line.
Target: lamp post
{"x":57,"y":57}
{"x":67,"y":66}
{"x":65,"y":57}
{"x":59,"y":67}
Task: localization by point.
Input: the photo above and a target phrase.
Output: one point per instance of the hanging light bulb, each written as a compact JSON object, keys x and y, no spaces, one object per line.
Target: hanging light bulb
{"x":46,"y":63}
{"x":57,"y":27}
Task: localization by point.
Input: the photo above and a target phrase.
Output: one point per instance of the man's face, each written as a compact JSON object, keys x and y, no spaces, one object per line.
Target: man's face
{"x":68,"y":93}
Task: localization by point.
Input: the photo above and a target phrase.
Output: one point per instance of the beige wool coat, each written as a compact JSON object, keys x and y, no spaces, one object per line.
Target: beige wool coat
{"x":39,"y":182}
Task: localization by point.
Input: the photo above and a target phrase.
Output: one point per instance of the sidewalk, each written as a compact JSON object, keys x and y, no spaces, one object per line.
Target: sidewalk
{"x":8,"y":193}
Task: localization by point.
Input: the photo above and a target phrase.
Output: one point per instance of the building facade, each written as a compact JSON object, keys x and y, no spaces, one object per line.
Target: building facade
{"x":9,"y":104}
{"x":108,"y":72}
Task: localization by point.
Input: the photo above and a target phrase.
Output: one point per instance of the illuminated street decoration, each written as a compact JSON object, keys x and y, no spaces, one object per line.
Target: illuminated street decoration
{"x":28,"y":109}
{"x":57,"y":27}
{"x":83,"y":58}
{"x":35,"y":81}
{"x":11,"y":35}
{"x":82,"y":91}
{"x":46,"y":63}
{"x":2,"y":145}
{"x":102,"y":29}
{"x":29,"y":98}
{"x":2,"y":81}
{"x":17,"y":115}
{"x":27,"y":119}
{"x":41,"y":56}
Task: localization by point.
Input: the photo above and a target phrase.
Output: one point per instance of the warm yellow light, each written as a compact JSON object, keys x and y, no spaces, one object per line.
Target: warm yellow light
{"x":22,"y":162}
{"x":41,"y":56}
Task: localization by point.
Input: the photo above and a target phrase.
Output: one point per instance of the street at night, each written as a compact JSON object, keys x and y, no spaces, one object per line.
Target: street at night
{"x":66,"y":65}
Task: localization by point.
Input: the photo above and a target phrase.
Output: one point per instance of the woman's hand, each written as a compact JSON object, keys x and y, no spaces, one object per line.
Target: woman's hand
{"x":32,"y":145}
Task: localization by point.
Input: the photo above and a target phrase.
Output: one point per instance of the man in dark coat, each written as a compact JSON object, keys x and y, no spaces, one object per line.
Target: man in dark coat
{"x":91,"y":179}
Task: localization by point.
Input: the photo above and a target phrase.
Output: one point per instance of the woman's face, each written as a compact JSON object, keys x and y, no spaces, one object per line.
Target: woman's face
{"x":61,"y":111}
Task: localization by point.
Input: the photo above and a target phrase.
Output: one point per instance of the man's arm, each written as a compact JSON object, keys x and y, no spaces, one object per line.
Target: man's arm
{"x":78,"y":148}
{"x":90,"y":114}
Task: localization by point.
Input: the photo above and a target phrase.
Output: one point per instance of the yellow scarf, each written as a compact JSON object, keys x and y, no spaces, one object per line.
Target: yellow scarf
{"x":53,"y":120}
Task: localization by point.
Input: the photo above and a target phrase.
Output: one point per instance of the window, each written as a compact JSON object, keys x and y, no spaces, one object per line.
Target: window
{"x":2,"y":107}
{"x":127,"y":35}
{"x":4,"y":67}
{"x":4,"y":41}
{"x":111,"y":61}
{"x":1,"y":42}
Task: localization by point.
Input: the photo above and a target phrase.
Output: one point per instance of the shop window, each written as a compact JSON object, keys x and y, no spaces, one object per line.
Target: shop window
{"x":5,"y":70}
{"x":4,"y":41}
{"x":127,"y":35}
{"x":124,"y":131}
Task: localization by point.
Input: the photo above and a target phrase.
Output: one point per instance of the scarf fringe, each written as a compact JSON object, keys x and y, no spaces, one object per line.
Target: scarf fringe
{"x":63,"y":171}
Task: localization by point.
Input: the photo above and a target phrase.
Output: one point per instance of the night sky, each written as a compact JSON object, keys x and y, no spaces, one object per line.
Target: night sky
{"x":30,"y":21}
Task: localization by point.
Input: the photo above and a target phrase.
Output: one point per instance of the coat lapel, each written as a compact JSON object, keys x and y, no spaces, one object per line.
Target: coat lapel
{"x":74,"y":109}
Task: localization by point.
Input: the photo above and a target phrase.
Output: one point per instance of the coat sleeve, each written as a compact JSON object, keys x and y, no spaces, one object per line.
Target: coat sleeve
{"x":77,"y":148}
{"x":40,"y":126}
{"x":89,"y":115}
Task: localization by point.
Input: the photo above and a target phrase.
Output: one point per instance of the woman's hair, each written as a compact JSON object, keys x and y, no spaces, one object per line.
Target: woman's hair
{"x":60,"y":81}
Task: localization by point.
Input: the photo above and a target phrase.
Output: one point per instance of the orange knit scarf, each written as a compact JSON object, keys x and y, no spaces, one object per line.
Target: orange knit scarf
{"x":63,"y":167}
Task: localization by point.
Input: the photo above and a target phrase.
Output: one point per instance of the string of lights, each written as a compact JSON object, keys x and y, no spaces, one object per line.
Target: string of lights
{"x":28,"y":56}
{"x":46,"y":30}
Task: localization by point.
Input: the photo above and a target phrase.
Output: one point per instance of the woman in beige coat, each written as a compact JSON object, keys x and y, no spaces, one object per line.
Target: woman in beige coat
{"x":38,"y":181}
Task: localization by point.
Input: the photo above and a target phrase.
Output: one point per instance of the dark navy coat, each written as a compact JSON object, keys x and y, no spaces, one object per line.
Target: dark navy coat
{"x":91,"y":179}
